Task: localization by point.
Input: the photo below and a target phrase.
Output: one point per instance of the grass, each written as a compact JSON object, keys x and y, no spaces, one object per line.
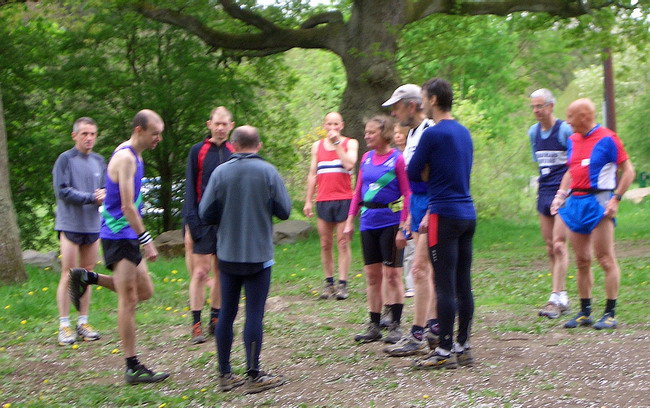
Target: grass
{"x":510,"y":279}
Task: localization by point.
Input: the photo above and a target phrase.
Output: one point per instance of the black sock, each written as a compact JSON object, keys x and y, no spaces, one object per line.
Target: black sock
{"x":396,"y":311}
{"x":610,"y":307}
{"x":132,"y":362}
{"x":417,"y":332}
{"x":375,"y":317}
{"x":214,"y":313}
{"x":196,"y":316}
{"x":92,"y":278}
{"x":253,"y":373}
{"x":329,"y":281}
{"x":431,"y":323}
{"x":585,"y":306}
{"x":342,"y":282}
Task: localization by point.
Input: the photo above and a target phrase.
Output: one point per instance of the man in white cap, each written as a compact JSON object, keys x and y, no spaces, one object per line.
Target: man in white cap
{"x":406,"y":106}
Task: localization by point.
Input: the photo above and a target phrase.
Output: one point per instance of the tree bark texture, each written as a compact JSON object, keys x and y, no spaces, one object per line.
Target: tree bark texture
{"x":12,"y":269}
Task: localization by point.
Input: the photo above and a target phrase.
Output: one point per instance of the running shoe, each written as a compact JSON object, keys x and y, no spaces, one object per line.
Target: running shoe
{"x":409,"y":293}
{"x":436,"y":360}
{"x":342,"y":292}
{"x":394,"y":333}
{"x":433,"y":339}
{"x":141,"y":374}
{"x":212,"y":326}
{"x":606,"y":322}
{"x":408,"y":345}
{"x":263,"y":382}
{"x":553,"y":310}
{"x":67,"y":336}
{"x":581,"y":319}
{"x":373,"y":333}
{"x":386,"y":317}
{"x":328,"y":291}
{"x":229,"y":381}
{"x":465,"y":357}
{"x":197,"y":334}
{"x":87,"y":332}
{"x":77,"y":285}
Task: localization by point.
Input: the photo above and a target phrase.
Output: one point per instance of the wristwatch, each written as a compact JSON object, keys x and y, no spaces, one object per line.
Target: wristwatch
{"x":618,"y":197}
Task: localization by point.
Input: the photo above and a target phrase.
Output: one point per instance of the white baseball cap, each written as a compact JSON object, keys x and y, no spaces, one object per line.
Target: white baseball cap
{"x":408,"y":91}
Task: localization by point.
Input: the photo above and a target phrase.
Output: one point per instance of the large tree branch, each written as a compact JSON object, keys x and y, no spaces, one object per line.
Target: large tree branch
{"x":418,"y":9}
{"x":276,"y":40}
{"x":248,"y":16}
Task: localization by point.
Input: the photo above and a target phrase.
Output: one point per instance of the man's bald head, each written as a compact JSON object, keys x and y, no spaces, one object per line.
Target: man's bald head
{"x":333,"y":121}
{"x":144,"y":117}
{"x":581,"y":115}
{"x":245,"y":138}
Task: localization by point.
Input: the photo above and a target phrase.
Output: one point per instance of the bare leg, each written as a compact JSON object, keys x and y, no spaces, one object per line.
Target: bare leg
{"x":133,"y":284}
{"x":560,"y":255}
{"x":325,"y":231}
{"x":198,"y":279}
{"x":392,"y":281}
{"x":582,"y":248}
{"x":603,"y":241}
{"x":425,"y":300}
{"x":345,"y":256}
{"x":373,"y":280}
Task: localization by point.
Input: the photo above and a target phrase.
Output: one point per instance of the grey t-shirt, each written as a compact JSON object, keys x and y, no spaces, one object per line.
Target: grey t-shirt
{"x":76,"y":176}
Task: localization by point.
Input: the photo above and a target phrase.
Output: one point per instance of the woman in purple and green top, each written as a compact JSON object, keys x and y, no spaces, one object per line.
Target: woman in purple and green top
{"x":382,"y":181}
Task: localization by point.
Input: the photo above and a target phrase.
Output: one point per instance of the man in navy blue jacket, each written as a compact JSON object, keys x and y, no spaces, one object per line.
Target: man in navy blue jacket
{"x":201,"y":239}
{"x":443,"y":159}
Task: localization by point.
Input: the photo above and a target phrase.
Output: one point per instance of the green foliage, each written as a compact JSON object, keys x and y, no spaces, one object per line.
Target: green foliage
{"x":108,"y":63}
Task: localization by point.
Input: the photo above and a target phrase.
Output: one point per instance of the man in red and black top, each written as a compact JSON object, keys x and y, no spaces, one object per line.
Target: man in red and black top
{"x":201,"y":239}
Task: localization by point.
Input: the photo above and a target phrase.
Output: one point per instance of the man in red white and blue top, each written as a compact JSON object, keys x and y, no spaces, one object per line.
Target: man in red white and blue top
{"x":595,"y":156}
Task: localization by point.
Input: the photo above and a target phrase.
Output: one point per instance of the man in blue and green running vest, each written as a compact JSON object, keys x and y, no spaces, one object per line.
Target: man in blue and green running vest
{"x":122,"y":234}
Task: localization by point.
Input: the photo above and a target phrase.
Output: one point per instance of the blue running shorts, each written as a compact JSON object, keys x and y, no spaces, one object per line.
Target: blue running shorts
{"x":582,"y":213}
{"x":418,"y":207}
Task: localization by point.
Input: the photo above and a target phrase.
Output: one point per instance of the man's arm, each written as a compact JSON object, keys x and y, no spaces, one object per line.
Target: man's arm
{"x":209,"y":209}
{"x":562,"y":193}
{"x":62,"y":183}
{"x":348,"y":157}
{"x":280,"y":197}
{"x":627,"y":175}
{"x":190,"y":206}
{"x":311,"y":182}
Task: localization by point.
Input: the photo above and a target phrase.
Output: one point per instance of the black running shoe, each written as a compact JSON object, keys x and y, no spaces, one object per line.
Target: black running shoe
{"x":77,"y":285}
{"x":141,"y":374}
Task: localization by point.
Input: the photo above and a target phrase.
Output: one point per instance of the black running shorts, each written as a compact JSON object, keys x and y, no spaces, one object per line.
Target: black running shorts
{"x":333,"y":211}
{"x":80,"y":238}
{"x":117,"y":249}
{"x":379,"y":246}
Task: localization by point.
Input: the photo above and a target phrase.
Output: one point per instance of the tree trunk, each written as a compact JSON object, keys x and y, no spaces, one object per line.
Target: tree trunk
{"x":12,"y":269}
{"x":369,"y":60}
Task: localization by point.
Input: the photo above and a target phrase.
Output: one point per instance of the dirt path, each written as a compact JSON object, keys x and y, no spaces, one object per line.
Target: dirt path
{"x":559,"y":368}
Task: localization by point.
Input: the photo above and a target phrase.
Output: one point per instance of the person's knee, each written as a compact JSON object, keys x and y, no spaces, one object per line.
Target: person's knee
{"x":559,"y":248}
{"x":420,"y":272}
{"x":607,"y":261}
{"x":326,"y":243}
{"x":200,"y":274}
{"x":145,"y":293}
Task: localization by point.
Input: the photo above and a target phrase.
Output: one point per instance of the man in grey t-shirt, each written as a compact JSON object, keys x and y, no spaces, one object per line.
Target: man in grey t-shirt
{"x":78,"y":177}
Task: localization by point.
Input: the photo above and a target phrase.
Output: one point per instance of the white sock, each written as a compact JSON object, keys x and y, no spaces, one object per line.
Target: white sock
{"x":459,"y":349}
{"x":443,"y":352}
{"x":564,"y":299}
{"x":82,"y":320}
{"x":555,"y":298}
{"x":64,"y":321}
